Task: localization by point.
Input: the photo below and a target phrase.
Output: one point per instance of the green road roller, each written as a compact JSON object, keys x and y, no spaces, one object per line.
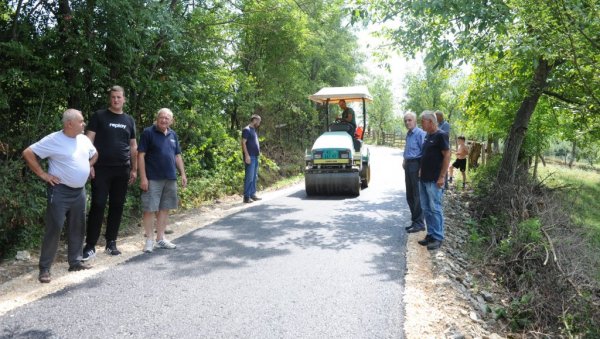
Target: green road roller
{"x":338,"y":163}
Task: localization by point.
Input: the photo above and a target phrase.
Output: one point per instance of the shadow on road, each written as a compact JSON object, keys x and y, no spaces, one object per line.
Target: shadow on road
{"x":275,"y":229}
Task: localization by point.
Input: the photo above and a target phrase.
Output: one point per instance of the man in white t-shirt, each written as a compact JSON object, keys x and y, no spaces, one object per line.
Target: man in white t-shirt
{"x":70,"y":155}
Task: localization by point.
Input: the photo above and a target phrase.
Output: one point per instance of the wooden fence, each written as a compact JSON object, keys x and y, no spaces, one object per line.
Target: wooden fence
{"x":478,"y":151}
{"x":385,"y":139}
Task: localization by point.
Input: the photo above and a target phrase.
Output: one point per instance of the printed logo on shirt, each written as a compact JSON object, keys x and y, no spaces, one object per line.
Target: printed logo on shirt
{"x":113,"y":125}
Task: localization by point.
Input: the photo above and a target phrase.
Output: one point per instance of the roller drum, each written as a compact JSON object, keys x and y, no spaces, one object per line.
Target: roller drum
{"x":332,"y":183}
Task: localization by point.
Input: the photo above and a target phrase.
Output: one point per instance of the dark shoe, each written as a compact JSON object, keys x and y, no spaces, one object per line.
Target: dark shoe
{"x":79,"y":267}
{"x":255,"y":198}
{"x":413,"y":225}
{"x":111,"y":248}
{"x":88,"y":253}
{"x":434,"y":245}
{"x":416,"y":229}
{"x":426,"y":240}
{"x":247,"y":200}
{"x":44,"y":276}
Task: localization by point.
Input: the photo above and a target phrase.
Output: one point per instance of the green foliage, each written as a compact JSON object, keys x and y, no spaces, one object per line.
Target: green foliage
{"x":438,"y":89}
{"x":483,"y":177}
{"x":380,"y":112}
{"x":426,"y":89}
{"x":478,"y":238}
{"x":525,"y":237}
{"x":519,"y":312}
{"x":23,"y":203}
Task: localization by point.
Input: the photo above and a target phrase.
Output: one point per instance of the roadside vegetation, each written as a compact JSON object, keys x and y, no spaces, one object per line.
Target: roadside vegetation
{"x":534,"y":239}
{"x":214,"y":63}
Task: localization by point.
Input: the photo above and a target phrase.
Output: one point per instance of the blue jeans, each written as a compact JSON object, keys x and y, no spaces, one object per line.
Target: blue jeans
{"x":431,"y":203}
{"x":251,"y":177}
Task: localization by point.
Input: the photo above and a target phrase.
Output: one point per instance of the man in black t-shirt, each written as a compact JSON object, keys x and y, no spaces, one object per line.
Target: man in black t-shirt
{"x":113,"y":135}
{"x":434,"y":165}
{"x":348,"y":116}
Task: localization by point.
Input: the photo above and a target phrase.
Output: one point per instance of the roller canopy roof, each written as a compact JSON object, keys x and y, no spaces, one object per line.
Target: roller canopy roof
{"x":335,"y":94}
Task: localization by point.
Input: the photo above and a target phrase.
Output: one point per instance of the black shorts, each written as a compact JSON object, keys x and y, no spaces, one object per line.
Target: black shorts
{"x":461,"y":164}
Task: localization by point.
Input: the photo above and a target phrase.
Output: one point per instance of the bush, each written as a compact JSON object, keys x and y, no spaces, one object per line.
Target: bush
{"x":23,"y":204}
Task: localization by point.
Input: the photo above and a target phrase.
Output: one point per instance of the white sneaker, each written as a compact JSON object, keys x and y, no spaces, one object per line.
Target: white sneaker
{"x":166,"y":244}
{"x":149,"y":246}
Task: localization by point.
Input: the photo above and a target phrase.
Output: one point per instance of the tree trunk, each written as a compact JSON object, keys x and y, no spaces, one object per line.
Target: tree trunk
{"x":474,"y":154}
{"x":66,"y":33}
{"x":535,"y":165}
{"x":88,"y":75}
{"x":15,"y":22}
{"x":573,"y":153}
{"x":496,"y":147}
{"x":512,"y":148}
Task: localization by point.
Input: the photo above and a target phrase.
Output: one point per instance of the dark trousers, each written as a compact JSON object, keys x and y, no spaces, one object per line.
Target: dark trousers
{"x":109,"y":184}
{"x":411,"y":179}
{"x":63,"y":203}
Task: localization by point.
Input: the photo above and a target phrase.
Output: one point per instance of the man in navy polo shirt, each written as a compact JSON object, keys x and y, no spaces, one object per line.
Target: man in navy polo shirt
{"x":159,"y":159}
{"x":251,"y":150}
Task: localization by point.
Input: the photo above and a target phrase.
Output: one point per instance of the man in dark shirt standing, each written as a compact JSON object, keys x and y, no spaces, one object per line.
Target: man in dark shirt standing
{"x":113,"y":134}
{"x":251,"y":150}
{"x":434,"y":164}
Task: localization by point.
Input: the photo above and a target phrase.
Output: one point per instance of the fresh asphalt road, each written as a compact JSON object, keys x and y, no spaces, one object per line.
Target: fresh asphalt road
{"x":286,"y":267}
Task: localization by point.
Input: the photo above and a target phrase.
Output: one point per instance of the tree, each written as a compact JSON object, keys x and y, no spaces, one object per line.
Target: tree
{"x":436,"y":89}
{"x":286,"y":50}
{"x":381,"y":111}
{"x":554,"y":40}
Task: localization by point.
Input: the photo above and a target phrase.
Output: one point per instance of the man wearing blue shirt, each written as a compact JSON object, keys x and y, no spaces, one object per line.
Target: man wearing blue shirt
{"x":411,"y":163}
{"x":442,"y":124}
{"x":159,"y":159}
{"x":251,"y":150}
